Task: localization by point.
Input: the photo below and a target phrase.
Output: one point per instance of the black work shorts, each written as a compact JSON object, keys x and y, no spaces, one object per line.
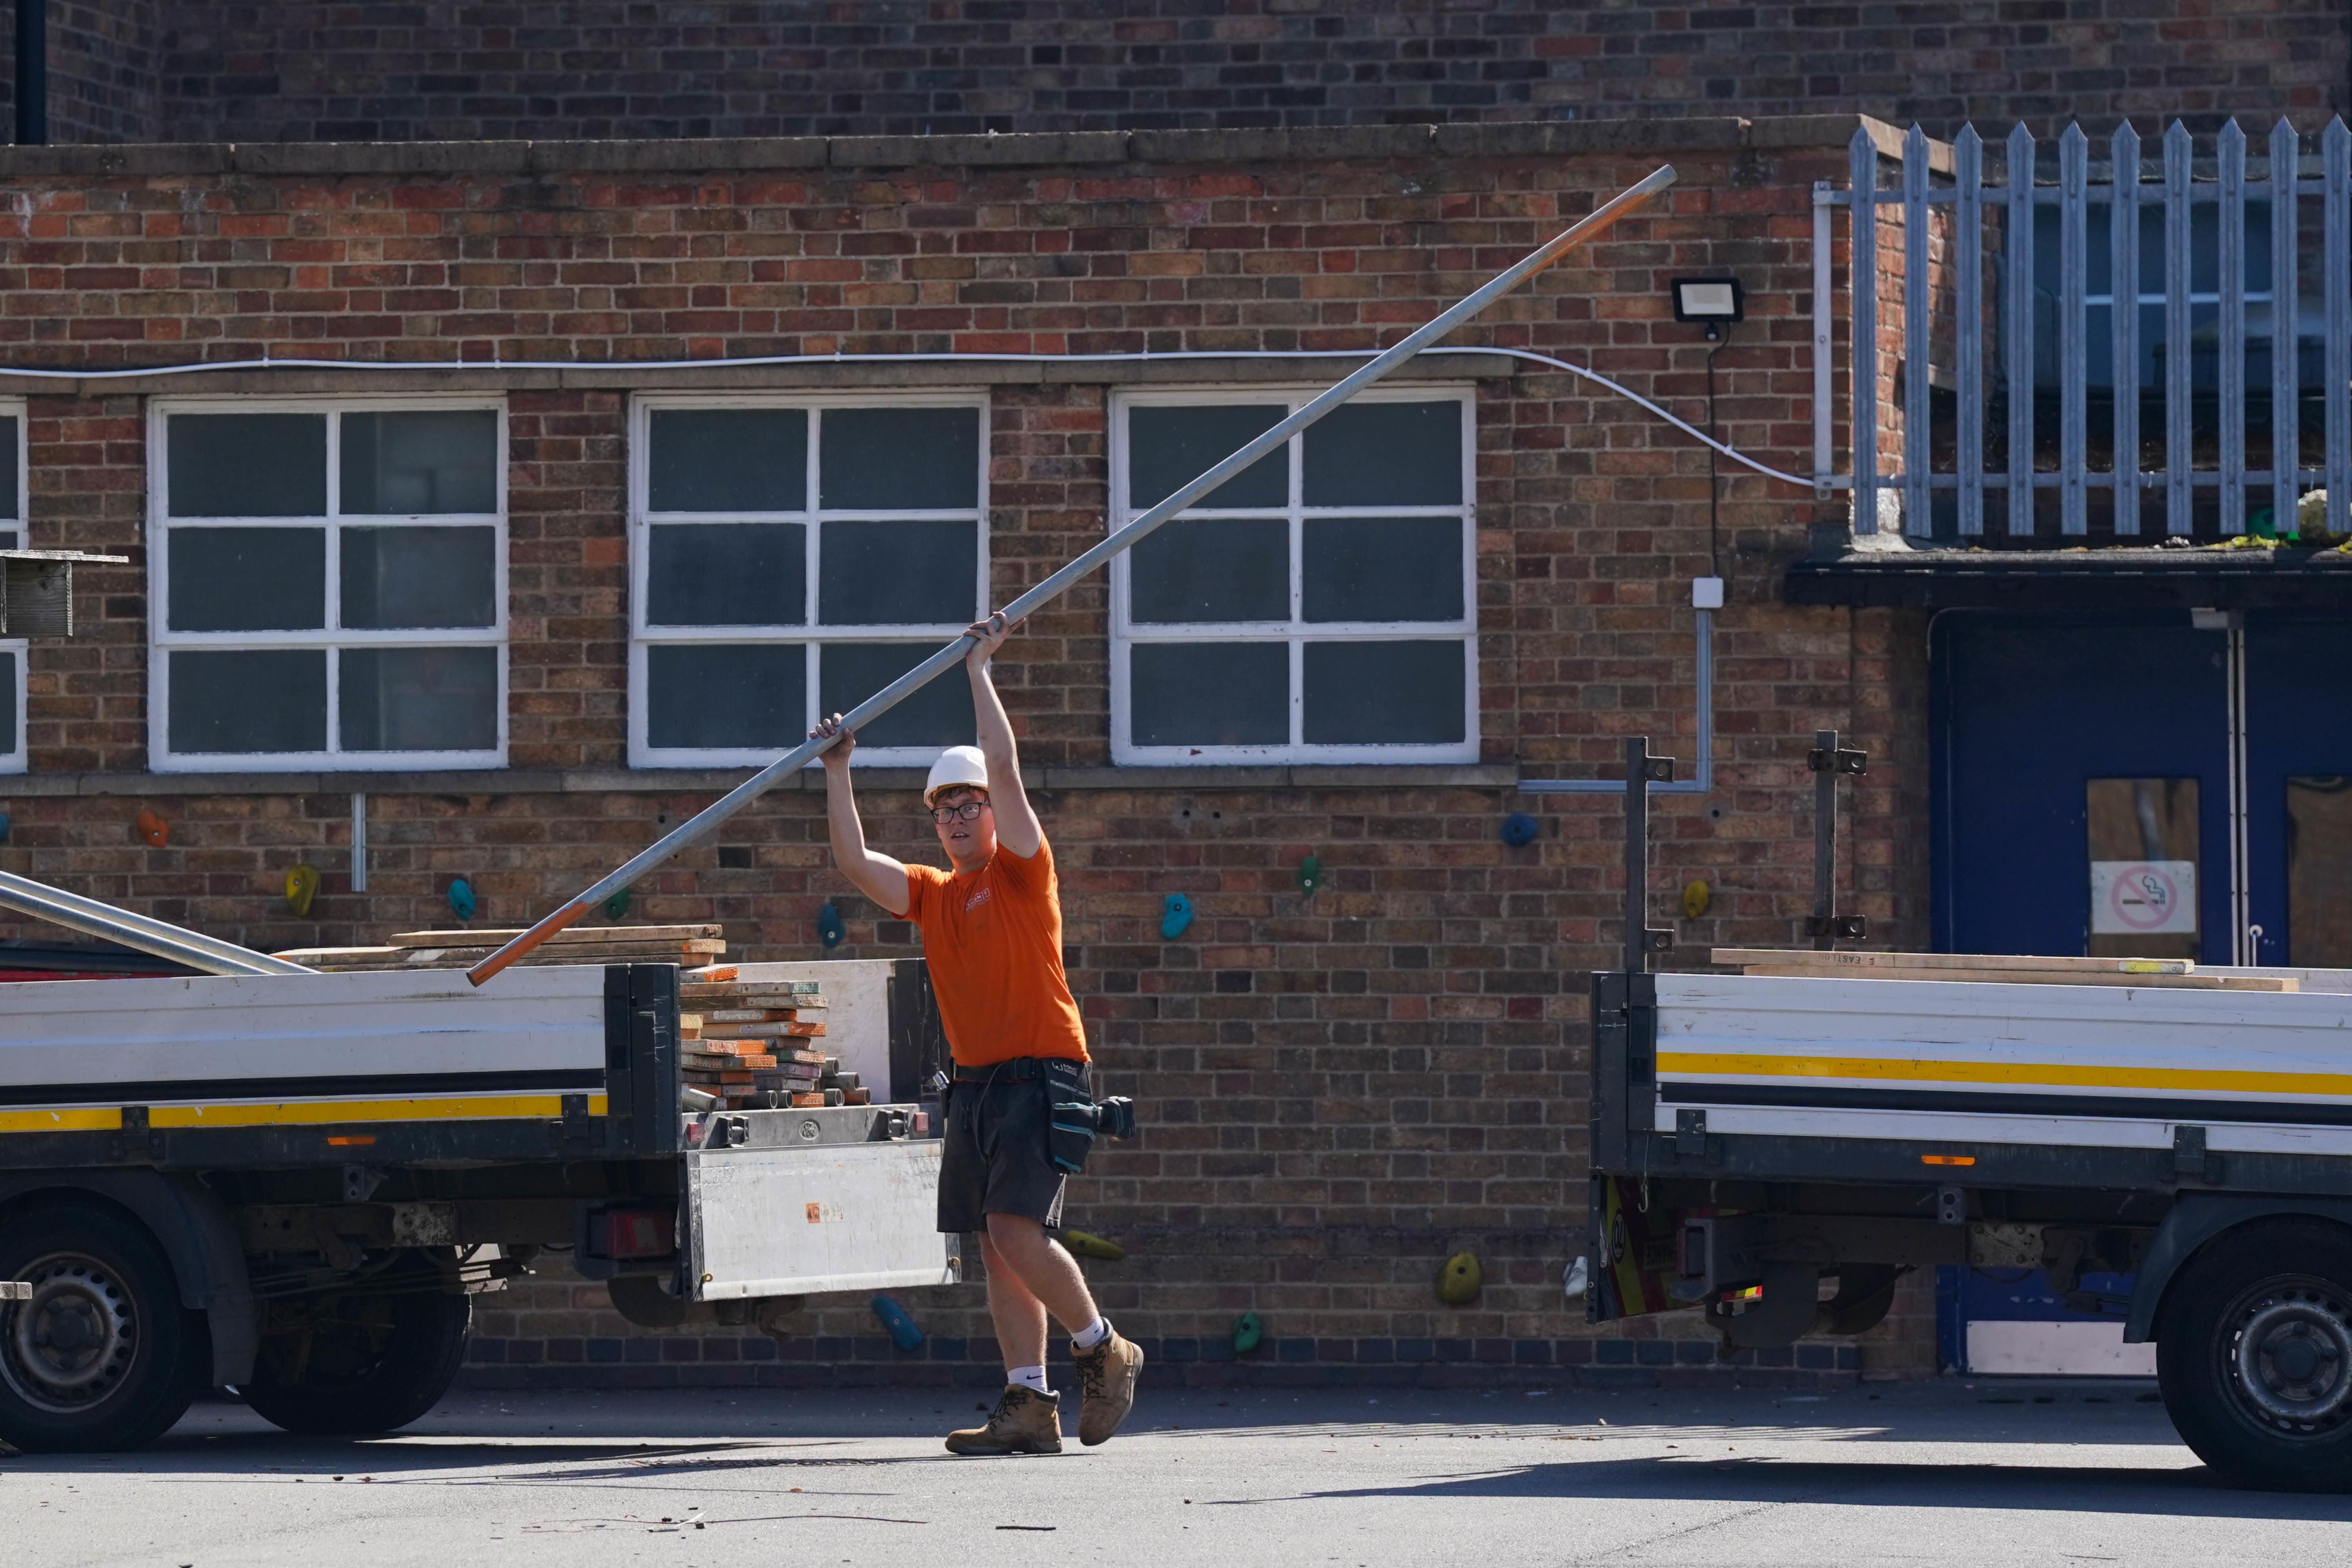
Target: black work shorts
{"x":997,"y":1158}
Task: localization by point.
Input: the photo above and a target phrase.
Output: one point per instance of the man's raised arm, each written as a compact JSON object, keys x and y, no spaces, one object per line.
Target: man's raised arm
{"x":1016,"y":825}
{"x":878,"y":877}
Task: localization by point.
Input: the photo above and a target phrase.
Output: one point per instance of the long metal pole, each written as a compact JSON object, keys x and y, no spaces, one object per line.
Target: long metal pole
{"x":91,"y":917}
{"x":882,"y":701}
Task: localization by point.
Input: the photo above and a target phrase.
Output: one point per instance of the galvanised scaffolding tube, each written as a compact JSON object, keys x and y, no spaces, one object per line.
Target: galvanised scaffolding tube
{"x":947,"y":658}
{"x":91,"y":917}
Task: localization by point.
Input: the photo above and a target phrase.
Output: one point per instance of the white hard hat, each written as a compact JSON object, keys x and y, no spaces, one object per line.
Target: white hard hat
{"x":957,"y":765}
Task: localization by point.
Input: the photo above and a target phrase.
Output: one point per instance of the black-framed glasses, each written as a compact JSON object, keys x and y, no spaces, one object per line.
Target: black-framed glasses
{"x":969,"y":811}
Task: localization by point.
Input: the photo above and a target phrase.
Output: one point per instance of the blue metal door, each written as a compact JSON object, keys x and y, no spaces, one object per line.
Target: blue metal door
{"x":2297,"y":739}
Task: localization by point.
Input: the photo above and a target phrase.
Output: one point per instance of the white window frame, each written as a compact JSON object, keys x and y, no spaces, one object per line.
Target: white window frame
{"x":14,"y":535}
{"x":1297,"y":632}
{"x":161,"y":640}
{"x":808,"y":633}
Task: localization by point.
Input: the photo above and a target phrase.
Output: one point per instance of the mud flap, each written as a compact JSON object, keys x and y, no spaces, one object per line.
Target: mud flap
{"x":1631,"y":1261}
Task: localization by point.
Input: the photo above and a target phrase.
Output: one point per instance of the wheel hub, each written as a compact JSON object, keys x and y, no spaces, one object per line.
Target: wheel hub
{"x":72,"y":1345}
{"x":2294,"y":1359}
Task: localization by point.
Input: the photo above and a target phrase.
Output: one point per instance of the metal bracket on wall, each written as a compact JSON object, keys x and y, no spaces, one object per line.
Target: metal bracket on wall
{"x":1828,"y":761}
{"x":1642,"y":771}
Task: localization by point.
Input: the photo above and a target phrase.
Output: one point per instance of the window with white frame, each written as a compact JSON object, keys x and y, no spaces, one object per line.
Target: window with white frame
{"x":1318,"y":607}
{"x":790,"y":557}
{"x":327,"y":584}
{"x":12,"y":537}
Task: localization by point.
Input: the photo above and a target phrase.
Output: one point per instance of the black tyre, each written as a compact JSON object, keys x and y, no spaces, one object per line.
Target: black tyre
{"x":103,"y":1357}
{"x":359,"y":1365}
{"x":2254,"y":1356}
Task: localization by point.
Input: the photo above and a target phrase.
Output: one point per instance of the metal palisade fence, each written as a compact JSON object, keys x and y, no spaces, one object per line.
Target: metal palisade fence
{"x":2083,"y":350}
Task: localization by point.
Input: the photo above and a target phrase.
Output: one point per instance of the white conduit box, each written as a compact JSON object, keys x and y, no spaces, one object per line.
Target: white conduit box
{"x":1707,"y":593}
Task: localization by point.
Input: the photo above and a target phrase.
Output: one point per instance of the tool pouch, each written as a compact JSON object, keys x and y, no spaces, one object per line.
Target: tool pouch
{"x":1076,"y":1119}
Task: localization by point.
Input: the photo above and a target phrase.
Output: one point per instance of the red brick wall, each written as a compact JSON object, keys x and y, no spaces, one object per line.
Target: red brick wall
{"x":1341,"y":1090}
{"x":345,"y":70}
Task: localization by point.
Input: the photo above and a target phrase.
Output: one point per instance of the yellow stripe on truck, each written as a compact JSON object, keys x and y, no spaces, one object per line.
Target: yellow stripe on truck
{"x":314,"y":1112}
{"x":301,"y":1113}
{"x":2022,"y":1075}
{"x":107,"y":1120}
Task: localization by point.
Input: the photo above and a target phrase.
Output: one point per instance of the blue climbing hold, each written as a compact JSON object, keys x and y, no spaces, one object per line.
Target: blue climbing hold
{"x":4,"y":827}
{"x":461,"y":898}
{"x":1519,"y":829}
{"x":1175,"y":914}
{"x":904,"y":1334}
{"x":829,"y":929}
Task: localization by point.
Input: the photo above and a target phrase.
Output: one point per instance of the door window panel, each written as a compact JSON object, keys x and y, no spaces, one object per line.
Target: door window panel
{"x":2142,"y":833}
{"x":2319,"y":871}
{"x":1374,"y":533}
{"x":825,"y":522}
{"x":337,"y":638}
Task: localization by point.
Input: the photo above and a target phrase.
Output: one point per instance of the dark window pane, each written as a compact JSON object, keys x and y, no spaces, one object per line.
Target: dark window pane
{"x":897,"y":574}
{"x":1381,"y":569}
{"x":727,"y":696}
{"x":418,"y":698}
{"x":10,"y":738}
{"x":1214,"y":569}
{"x":397,"y":577}
{"x":246,"y":579}
{"x":8,"y":466}
{"x":248,"y":699}
{"x":1384,"y":453}
{"x":1209,"y":694}
{"x":900,"y":460}
{"x":247,"y":465}
{"x":1384,"y":693}
{"x":726,"y":459}
{"x":938,"y":715}
{"x":727,"y":574}
{"x":425,"y":460}
{"x":1168,"y":446}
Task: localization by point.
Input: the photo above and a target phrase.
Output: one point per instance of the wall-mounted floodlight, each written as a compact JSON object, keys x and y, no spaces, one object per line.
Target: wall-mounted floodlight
{"x":1712,"y":301}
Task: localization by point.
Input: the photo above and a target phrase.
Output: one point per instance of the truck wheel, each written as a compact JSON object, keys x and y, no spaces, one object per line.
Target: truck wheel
{"x":103,"y":1357}
{"x":2254,"y":1357}
{"x":361,"y":1364}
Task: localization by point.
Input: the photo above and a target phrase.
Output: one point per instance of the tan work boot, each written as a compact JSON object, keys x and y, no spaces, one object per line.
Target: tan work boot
{"x":1107,"y":1375}
{"x":1024,"y":1422}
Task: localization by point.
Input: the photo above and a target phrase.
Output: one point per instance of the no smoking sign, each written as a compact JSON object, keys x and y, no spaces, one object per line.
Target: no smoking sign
{"x":2143,"y":898}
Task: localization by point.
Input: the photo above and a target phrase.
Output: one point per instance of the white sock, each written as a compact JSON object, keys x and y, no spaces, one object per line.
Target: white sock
{"x":1029,"y":1377}
{"x":1093,"y":1334}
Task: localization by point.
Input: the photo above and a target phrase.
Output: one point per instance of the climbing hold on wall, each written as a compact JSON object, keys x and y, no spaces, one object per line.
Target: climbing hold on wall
{"x":1310,"y":876}
{"x":1696,"y":898}
{"x":1458,"y":1283}
{"x":1089,"y":1245}
{"x":904,"y":1334}
{"x":829,"y":929}
{"x":154,"y":829}
{"x":618,"y":906}
{"x":301,"y":887}
{"x":4,"y":827}
{"x":1248,"y":1333}
{"x":1175,"y":914}
{"x":1519,"y":829}
{"x":461,"y":898}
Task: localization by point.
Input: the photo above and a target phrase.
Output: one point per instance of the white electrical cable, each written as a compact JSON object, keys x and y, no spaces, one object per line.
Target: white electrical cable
{"x":1529,"y":355}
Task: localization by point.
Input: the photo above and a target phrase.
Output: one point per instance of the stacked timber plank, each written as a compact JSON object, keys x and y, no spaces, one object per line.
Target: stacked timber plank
{"x":2018,"y":968}
{"x":691,"y":946}
{"x":752,"y":1044}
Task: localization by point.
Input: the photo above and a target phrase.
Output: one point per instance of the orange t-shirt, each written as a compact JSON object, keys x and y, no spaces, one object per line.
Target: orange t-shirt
{"x":993,"y":941}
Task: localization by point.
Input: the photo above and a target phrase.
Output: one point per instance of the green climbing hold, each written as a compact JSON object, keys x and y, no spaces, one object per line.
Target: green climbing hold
{"x":1310,"y":876}
{"x":1248,"y":1333}
{"x":618,"y":906}
{"x":1458,"y":1283}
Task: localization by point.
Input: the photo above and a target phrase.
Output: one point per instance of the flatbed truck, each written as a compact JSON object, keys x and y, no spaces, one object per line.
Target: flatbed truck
{"x":294,"y":1185}
{"x":1775,"y":1150}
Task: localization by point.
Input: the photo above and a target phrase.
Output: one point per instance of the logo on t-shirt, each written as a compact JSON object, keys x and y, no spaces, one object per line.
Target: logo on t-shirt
{"x":979,"y":896}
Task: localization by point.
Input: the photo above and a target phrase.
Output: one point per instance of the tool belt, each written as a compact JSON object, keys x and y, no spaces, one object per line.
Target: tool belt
{"x":1074,"y":1118}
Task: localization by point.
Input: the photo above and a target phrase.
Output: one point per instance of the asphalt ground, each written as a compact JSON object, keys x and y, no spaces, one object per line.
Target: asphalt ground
{"x":1949,"y":1472}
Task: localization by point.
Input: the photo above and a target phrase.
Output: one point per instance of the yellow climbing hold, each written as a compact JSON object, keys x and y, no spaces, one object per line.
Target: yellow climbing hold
{"x":1458,"y":1283}
{"x":301,"y":887}
{"x":1696,"y":898}
{"x":1086,"y":1246}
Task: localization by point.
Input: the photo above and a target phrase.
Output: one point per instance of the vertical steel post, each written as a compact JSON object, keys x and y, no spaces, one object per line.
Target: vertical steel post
{"x":1968,"y":349}
{"x":1637,"y":854}
{"x":2286,"y":317}
{"x":1862,"y":291}
{"x":2017,"y":317}
{"x":2123,"y":319}
{"x":1918,"y":517}
{"x":2073,"y":356}
{"x":1825,"y":745}
{"x":2179,"y":454}
{"x":2232,"y":259}
{"x":2335,"y":147}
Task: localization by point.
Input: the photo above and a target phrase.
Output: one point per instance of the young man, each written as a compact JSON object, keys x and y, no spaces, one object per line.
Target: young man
{"x":993,"y":935}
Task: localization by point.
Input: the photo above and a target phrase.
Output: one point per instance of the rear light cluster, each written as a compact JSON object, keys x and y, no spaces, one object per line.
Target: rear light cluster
{"x":633,"y":1233}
